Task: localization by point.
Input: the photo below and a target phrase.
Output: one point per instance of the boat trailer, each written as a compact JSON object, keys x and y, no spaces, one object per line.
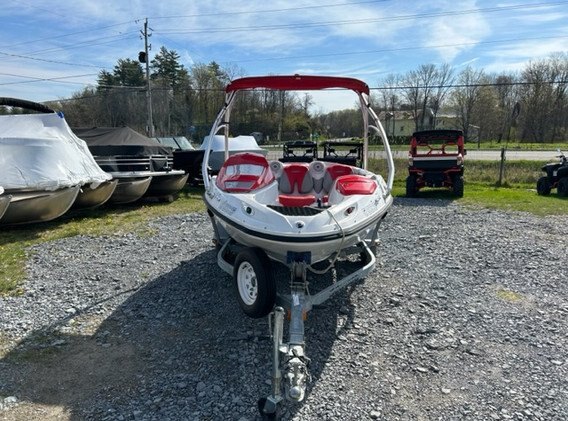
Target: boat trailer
{"x":289,"y":361}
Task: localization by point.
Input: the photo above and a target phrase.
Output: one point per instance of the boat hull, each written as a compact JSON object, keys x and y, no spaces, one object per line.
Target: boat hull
{"x":92,"y":198}
{"x":166,"y":185}
{"x":38,"y":206}
{"x":320,"y":236}
{"x":278,"y":248}
{"x":129,"y":190}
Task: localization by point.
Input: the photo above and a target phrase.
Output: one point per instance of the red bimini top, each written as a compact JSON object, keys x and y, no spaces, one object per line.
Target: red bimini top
{"x":298,"y":83}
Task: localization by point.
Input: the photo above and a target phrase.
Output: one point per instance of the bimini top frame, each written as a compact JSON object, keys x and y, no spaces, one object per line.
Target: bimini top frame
{"x":300,"y":83}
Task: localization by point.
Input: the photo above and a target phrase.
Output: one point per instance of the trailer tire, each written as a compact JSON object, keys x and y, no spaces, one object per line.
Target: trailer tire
{"x":254,"y":283}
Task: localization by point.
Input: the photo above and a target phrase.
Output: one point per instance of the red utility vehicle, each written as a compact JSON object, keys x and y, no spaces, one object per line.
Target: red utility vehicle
{"x":436,"y":160}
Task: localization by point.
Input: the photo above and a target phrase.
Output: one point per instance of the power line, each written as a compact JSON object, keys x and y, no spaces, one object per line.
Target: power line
{"x":38,"y":79}
{"x":49,"y":61}
{"x":388,"y":50}
{"x":289,"y":9}
{"x":453,"y":85}
{"x":65,"y":35}
{"x":471,"y":85}
{"x":88,"y":43}
{"x":364,"y":21}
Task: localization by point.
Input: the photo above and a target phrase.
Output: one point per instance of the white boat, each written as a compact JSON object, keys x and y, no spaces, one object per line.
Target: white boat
{"x":297,"y":214}
{"x":45,"y":167}
{"x":216,"y":147}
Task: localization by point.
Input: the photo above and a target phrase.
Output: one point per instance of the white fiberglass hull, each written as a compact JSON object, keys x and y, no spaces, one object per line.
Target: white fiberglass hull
{"x":254,"y":220}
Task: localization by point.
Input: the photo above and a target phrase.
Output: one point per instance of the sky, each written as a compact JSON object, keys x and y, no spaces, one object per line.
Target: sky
{"x":52,"y":49}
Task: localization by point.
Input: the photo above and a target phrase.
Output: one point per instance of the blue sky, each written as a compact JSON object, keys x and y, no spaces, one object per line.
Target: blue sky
{"x":51,"y":49}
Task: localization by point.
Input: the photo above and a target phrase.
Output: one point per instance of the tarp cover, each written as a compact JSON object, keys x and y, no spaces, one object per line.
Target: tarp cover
{"x":40,"y":152}
{"x":114,"y":141}
{"x":239,"y":143}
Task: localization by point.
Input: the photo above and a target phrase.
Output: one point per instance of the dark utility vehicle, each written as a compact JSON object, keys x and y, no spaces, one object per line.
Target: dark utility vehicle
{"x":436,"y":160}
{"x":348,"y":153}
{"x":300,"y":151}
{"x":556,"y":177}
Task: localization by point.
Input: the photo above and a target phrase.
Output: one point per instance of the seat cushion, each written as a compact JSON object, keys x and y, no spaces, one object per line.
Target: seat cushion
{"x":349,"y":185}
{"x":295,"y":200}
{"x":296,"y":178}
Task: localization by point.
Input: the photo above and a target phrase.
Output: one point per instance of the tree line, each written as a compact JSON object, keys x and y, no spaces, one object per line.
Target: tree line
{"x":530,"y":105}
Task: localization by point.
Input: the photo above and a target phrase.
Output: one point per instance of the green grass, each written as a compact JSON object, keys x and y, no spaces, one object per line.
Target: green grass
{"x":518,"y":146}
{"x":517,"y":192}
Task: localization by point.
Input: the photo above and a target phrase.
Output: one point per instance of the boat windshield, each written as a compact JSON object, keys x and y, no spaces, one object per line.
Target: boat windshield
{"x":244,"y":169}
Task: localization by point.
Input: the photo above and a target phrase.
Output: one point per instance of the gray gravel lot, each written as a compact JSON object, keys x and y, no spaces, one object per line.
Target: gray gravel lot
{"x":465,"y":317}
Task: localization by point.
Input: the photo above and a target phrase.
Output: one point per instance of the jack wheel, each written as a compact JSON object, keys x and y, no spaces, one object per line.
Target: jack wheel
{"x":254,"y":283}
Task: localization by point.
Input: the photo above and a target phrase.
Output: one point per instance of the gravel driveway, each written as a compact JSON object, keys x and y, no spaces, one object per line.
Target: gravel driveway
{"x":465,"y":317}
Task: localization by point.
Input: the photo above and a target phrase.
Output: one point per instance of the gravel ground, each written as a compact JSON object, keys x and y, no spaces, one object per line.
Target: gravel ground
{"x":465,"y":317}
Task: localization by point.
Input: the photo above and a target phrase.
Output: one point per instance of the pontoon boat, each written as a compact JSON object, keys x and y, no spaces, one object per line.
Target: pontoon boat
{"x":45,"y":167}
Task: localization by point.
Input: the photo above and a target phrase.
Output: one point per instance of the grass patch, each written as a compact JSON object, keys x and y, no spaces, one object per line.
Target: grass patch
{"x":510,"y":296}
{"x":107,"y":220}
{"x":517,"y":193}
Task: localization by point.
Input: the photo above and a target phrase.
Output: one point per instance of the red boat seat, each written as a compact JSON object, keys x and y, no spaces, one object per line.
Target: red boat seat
{"x":296,"y":201}
{"x":352,"y":184}
{"x":332,"y":172}
{"x":243,"y":173}
{"x":295,"y":185}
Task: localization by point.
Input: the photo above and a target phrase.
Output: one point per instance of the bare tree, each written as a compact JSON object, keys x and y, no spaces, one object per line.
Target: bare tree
{"x":465,"y":97}
{"x":444,"y":78}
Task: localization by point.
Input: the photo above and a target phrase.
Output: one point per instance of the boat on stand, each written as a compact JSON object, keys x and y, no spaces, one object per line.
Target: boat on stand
{"x":306,"y":216}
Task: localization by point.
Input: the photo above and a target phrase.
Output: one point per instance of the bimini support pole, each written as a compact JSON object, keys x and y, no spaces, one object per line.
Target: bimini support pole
{"x":225,"y":111}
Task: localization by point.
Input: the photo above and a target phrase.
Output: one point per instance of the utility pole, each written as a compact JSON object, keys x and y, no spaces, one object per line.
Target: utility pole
{"x":148,"y":89}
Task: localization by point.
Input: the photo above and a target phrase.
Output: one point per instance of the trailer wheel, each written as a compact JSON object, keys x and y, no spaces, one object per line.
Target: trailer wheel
{"x":543,"y":186}
{"x":254,"y":283}
{"x":562,"y":187}
{"x":411,"y":186}
{"x":457,"y":186}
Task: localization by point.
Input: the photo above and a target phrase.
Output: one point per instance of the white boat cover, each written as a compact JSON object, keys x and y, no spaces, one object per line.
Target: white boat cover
{"x":40,"y":152}
{"x":239,"y":143}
